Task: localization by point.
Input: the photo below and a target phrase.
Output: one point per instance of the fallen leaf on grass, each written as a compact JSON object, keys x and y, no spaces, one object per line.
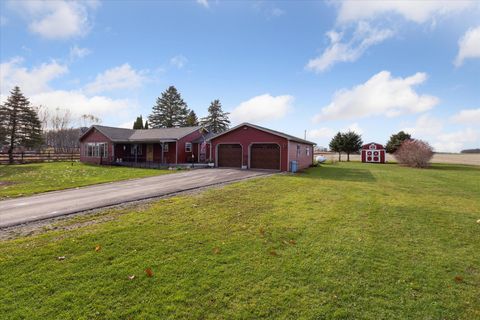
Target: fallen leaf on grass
{"x":262,"y":231}
{"x":217,"y":250}
{"x":61,"y":258}
{"x":273,"y":253}
{"x":131,"y":277}
{"x":458,"y":279}
{"x":149,"y":272}
{"x":293,"y":242}
{"x":98,"y":248}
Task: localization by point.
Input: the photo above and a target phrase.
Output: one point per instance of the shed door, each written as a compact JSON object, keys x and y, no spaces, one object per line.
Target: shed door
{"x":265,"y":156}
{"x":229,"y":155}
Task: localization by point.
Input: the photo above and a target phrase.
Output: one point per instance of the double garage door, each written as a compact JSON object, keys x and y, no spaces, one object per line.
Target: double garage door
{"x":262,"y":156}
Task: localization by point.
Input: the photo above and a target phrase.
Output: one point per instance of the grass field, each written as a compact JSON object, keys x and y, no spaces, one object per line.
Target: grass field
{"x":27,"y":179}
{"x":345,"y":241}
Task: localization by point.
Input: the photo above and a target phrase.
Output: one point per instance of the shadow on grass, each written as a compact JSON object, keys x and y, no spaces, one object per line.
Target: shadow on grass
{"x":338,"y":173}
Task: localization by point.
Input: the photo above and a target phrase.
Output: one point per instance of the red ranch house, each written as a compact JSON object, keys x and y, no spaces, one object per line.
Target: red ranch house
{"x":251,"y":146}
{"x":373,"y":153}
{"x":244,"y":146}
{"x":166,"y":146}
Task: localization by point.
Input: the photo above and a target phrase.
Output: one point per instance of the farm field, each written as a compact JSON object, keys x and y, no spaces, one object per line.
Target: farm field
{"x":27,"y":179}
{"x":452,"y":158}
{"x":344,"y":241}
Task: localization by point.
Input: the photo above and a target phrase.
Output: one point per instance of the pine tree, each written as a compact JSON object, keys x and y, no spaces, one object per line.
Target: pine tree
{"x":138,"y":124}
{"x":19,"y":123}
{"x":217,"y":121}
{"x":146,"y":124}
{"x":396,"y":141}
{"x":352,"y":142}
{"x":336,"y":145}
{"x":169,"y":111}
{"x":192,"y":120}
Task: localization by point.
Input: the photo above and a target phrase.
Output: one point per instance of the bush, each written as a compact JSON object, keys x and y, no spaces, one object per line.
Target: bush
{"x":414,"y":153}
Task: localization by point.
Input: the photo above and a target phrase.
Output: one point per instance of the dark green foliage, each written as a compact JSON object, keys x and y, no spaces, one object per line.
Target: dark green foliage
{"x":217,"y":120}
{"x":192,"y":120}
{"x":138,"y":124}
{"x":336,"y":145}
{"x":146,"y":124}
{"x":169,"y":111}
{"x":352,"y":142}
{"x":396,"y":140}
{"x":348,"y":142}
{"x":19,"y":123}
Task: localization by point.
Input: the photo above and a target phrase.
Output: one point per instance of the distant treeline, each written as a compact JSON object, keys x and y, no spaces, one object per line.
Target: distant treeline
{"x":470,"y":151}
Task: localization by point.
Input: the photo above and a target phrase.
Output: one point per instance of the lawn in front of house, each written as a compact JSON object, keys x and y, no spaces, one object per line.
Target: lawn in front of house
{"x":344,"y":241}
{"x":27,"y":179}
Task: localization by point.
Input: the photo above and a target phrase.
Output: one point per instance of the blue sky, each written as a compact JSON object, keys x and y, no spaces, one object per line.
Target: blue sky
{"x":370,"y":66}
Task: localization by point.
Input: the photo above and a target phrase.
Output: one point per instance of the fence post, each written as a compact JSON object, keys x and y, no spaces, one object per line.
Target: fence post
{"x":48,"y":156}
{"x":21,"y":161}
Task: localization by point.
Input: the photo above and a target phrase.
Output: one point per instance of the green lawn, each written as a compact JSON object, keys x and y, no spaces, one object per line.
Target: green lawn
{"x":26,"y":179}
{"x":345,"y":241}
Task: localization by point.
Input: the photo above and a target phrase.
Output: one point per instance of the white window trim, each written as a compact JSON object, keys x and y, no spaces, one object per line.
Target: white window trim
{"x":188,"y":147}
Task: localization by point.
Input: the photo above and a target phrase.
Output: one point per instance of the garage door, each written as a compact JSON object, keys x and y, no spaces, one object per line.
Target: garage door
{"x":230,"y":155}
{"x":265,"y":156}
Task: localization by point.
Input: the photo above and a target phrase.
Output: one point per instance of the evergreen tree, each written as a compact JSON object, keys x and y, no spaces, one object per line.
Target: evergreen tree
{"x":336,"y":145}
{"x":169,"y":111}
{"x":19,"y":123}
{"x":396,"y":141}
{"x":217,"y":121}
{"x":352,"y":142}
{"x":146,"y":124}
{"x":192,"y":120}
{"x":138,"y":124}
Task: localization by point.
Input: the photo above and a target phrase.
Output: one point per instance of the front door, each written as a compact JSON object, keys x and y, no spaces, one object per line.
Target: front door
{"x":149,"y":152}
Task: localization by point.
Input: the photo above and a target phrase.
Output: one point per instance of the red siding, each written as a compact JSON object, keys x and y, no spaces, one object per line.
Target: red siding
{"x":304,"y":160}
{"x":95,"y":136}
{"x":245,"y":136}
{"x":378,"y":147}
{"x":186,"y":157}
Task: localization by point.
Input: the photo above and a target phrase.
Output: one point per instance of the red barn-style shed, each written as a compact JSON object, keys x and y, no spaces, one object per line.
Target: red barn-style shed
{"x":254,"y":147}
{"x":373,"y":153}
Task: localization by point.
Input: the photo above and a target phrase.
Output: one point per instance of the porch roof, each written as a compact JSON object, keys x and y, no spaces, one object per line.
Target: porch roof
{"x":143,"y":135}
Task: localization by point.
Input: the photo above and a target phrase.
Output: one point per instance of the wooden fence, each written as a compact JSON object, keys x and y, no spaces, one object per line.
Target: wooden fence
{"x":32,"y":157}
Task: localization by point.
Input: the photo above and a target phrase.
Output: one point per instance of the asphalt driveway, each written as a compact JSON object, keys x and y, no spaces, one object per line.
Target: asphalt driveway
{"x":58,"y":203}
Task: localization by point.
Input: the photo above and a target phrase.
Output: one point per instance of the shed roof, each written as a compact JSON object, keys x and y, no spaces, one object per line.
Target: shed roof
{"x":138,"y":135}
{"x":274,"y":132}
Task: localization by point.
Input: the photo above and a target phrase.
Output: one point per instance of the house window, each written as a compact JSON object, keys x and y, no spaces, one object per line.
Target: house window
{"x":136,"y":149}
{"x":308,"y":151}
{"x":188,"y":147}
{"x":165,"y":147}
{"x":96,"y":149}
{"x":298,"y":150}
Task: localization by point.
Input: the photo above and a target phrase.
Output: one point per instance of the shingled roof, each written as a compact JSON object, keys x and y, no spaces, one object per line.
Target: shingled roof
{"x":138,"y":135}
{"x":274,"y":132}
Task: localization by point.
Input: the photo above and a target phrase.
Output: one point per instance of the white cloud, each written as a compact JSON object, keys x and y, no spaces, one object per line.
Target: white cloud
{"x":121,"y":77}
{"x":416,"y":11}
{"x":320,"y":133}
{"x":380,"y":95}
{"x":455,"y":141}
{"x":32,"y":81}
{"x":203,"y":3}
{"x":467,"y":116}
{"x":425,"y":126}
{"x":363,"y":37}
{"x":355,"y":127}
{"x":468,"y":46}
{"x":57,"y":19}
{"x":262,"y":108}
{"x":179,"y":61}
{"x":78,"y":53}
{"x":277,"y":12}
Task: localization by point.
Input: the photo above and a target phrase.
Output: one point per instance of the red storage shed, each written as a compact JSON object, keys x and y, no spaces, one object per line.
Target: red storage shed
{"x":373,"y":153}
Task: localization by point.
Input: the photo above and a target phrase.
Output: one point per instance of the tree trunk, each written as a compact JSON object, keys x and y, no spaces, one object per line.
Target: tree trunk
{"x":348,"y":157}
{"x":339,"y":156}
